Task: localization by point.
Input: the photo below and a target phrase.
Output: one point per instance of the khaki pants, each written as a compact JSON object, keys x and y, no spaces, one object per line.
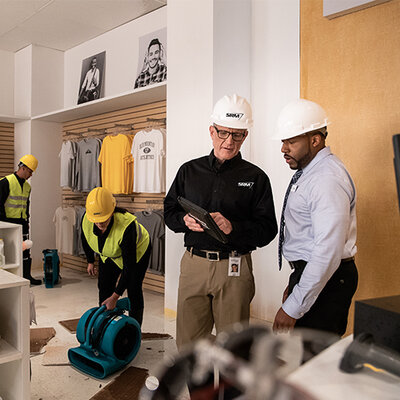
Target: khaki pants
{"x":208,"y":296}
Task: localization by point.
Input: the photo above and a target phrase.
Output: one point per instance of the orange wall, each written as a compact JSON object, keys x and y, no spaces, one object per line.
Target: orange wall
{"x":351,"y":66}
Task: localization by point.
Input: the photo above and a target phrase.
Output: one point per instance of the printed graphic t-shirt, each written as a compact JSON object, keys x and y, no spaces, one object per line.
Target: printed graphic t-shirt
{"x":148,"y":154}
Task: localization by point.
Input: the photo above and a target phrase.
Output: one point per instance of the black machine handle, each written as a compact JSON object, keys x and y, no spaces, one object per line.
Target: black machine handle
{"x":363,"y":350}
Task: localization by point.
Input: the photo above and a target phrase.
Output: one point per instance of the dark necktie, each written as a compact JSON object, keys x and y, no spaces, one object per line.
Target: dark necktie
{"x":294,"y":179}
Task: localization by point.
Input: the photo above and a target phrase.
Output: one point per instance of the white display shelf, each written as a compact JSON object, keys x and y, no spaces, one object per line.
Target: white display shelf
{"x":11,"y":267}
{"x":13,"y":118}
{"x":129,"y":99}
{"x":8,"y":353}
{"x":14,"y":329}
{"x":12,"y":236}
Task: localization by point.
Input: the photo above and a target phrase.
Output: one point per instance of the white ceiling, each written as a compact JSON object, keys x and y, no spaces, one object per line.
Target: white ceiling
{"x":63,"y":24}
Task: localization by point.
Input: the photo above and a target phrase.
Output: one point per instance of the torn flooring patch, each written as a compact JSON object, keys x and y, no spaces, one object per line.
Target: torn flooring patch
{"x":151,"y":336}
{"x":39,"y":337}
{"x":70,"y":324}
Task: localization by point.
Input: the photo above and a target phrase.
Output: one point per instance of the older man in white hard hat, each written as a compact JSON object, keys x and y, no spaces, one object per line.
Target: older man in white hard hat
{"x":239,"y":198}
{"x":318,"y":225}
{"x":14,"y":205}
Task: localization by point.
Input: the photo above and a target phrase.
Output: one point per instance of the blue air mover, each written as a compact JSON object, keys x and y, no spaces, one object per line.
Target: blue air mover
{"x":109,"y":340}
{"x":51,"y":266}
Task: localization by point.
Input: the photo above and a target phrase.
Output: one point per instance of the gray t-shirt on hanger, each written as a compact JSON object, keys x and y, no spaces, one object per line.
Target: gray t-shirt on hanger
{"x":154,"y":224}
{"x":88,"y":166}
{"x":67,"y":160}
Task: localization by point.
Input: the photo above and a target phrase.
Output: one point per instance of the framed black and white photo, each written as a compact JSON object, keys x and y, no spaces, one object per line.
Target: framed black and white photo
{"x":152,"y":64}
{"x":92,"y":78}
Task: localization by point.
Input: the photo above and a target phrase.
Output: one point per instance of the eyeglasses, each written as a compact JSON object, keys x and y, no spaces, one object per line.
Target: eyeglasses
{"x":236,"y":136}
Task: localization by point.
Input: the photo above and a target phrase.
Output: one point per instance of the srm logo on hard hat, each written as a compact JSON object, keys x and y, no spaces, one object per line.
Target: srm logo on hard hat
{"x":234,"y":115}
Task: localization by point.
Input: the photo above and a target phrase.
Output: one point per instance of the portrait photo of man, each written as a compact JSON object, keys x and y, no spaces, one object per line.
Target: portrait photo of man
{"x":152,"y":66}
{"x":92,"y":77}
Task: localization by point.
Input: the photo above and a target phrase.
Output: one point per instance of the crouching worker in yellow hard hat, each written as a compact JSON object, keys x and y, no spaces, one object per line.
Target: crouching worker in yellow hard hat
{"x":14,"y":205}
{"x":124,"y":249}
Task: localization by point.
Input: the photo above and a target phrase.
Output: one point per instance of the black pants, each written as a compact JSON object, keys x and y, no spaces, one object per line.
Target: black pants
{"x":26,"y":254}
{"x":330,"y":310}
{"x":109,"y":273}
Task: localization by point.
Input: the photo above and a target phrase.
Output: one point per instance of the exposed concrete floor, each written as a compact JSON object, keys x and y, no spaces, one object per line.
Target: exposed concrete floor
{"x":76,"y":293}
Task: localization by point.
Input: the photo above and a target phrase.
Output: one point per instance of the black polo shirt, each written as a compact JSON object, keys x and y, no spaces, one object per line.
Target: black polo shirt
{"x":237,"y":189}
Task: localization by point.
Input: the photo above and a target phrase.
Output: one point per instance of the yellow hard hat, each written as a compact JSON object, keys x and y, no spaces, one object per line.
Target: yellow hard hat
{"x":30,"y":161}
{"x":100,"y":205}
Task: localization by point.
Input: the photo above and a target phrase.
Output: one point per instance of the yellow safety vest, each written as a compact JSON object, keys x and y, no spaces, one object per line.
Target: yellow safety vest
{"x":17,"y":201}
{"x":111,"y":248}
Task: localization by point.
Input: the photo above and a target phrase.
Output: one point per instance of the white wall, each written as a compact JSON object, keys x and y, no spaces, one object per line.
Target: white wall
{"x":232,"y":53}
{"x":122,"y":51}
{"x":38,"y":80}
{"x":6,"y":83}
{"x":189,"y":105}
{"x":46,"y":191}
{"x":23,"y":82}
{"x":43,"y":140}
{"x":22,"y":140}
{"x":47,"y":80}
{"x":275,"y":81}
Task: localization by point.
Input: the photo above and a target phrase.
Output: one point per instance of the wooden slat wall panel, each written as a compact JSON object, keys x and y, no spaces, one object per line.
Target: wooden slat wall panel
{"x":6,"y":149}
{"x":126,"y":121}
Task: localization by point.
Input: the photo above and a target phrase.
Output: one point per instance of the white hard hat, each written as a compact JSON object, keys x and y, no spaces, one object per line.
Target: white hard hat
{"x":232,"y":112}
{"x":298,"y":117}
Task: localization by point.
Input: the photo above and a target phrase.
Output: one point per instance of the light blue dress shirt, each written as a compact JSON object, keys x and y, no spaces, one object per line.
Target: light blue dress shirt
{"x":320,"y":227}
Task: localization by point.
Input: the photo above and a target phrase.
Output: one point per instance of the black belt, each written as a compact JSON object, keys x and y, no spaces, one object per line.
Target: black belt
{"x":302,"y":263}
{"x":210,"y":255}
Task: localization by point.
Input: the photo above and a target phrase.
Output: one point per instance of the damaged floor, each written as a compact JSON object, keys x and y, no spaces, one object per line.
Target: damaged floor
{"x":52,"y":377}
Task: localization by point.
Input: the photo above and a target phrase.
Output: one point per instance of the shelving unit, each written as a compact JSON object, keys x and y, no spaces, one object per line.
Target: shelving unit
{"x":14,"y":337}
{"x":129,"y":99}
{"x":12,"y":236}
{"x":13,"y":118}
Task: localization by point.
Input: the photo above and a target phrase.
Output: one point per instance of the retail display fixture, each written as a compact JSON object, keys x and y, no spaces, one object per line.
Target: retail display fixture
{"x":12,"y":237}
{"x":14,"y":317}
{"x":128,"y":99}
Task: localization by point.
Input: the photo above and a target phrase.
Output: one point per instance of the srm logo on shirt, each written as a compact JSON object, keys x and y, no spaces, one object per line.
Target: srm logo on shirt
{"x":248,"y":185}
{"x":234,"y":115}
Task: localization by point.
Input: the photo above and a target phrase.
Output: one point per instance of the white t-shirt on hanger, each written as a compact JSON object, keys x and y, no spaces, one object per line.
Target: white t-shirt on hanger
{"x":148,"y":152}
{"x":64,"y":220}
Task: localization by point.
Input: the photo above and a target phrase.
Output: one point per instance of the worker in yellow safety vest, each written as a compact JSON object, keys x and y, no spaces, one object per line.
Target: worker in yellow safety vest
{"x":14,"y":205}
{"x":123,"y":246}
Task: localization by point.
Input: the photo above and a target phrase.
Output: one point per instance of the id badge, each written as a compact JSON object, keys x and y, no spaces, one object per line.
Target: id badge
{"x":234,"y":266}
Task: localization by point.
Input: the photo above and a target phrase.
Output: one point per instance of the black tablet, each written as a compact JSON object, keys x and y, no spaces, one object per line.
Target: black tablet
{"x":204,"y":218}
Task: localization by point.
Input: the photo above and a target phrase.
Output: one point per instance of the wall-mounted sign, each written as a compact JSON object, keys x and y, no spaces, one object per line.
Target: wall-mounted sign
{"x":337,"y":8}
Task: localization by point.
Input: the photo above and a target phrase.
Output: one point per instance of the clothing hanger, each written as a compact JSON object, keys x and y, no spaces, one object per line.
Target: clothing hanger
{"x":96,"y":131}
{"x":154,"y":123}
{"x":147,"y":211}
{"x":117,"y":129}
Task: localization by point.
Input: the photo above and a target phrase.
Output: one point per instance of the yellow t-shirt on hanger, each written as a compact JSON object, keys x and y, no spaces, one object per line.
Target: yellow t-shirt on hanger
{"x":116,"y":162}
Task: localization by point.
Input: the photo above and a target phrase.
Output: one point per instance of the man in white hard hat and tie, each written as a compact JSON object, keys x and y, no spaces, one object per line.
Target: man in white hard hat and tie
{"x":318,"y":225}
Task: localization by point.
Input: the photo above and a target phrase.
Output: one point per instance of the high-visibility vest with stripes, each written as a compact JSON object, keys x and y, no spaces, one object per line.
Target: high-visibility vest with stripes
{"x":111,"y":248}
{"x":16,"y":204}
